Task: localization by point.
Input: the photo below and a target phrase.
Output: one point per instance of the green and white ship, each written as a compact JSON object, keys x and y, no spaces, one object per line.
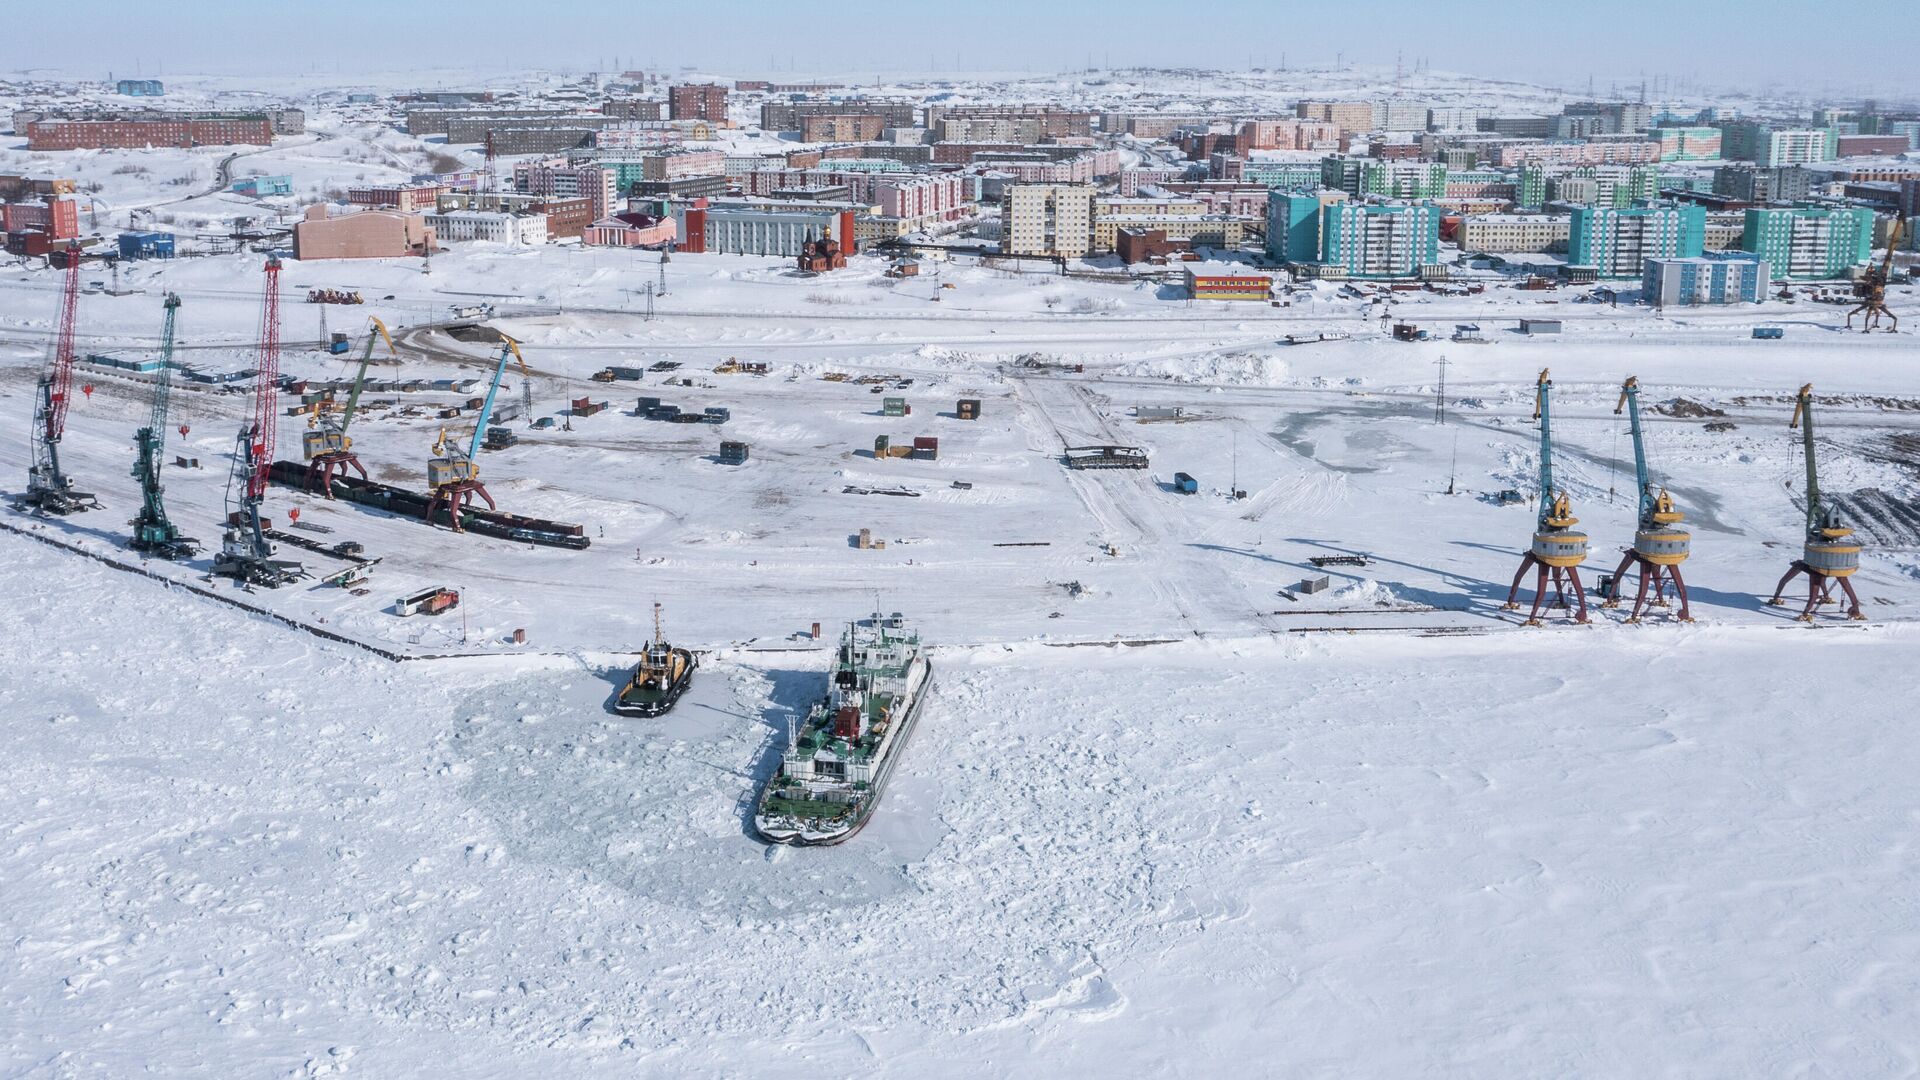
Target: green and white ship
{"x":837,"y":764}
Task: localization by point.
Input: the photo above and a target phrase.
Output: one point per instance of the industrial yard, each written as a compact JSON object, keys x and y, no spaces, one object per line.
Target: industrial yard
{"x":1249,"y":752}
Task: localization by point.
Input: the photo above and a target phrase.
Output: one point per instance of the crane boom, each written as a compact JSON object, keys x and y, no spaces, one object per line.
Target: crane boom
{"x":56,"y":421}
{"x":360,"y":378}
{"x":266,"y":385}
{"x":1630,"y":399}
{"x":1543,"y":412}
{"x":163,"y":378}
{"x":508,"y":346}
{"x":1803,"y":419}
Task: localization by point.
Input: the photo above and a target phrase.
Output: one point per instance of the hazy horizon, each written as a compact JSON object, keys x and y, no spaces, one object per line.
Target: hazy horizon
{"x":1713,"y":43}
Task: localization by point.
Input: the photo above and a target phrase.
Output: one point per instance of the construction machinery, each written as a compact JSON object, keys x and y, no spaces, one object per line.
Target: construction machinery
{"x":50,"y":490}
{"x":1872,"y":288}
{"x":453,"y":473}
{"x":1558,"y":548}
{"x":1660,"y":544}
{"x":153,"y":532}
{"x":325,"y":443}
{"x":245,"y":555}
{"x":1831,"y":554}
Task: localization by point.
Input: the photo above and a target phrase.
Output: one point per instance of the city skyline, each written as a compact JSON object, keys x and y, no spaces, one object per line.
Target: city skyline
{"x":1714,"y":45}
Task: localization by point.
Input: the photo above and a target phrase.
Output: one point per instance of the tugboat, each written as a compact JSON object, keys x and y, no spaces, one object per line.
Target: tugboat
{"x":835,"y":768}
{"x":663,"y":674}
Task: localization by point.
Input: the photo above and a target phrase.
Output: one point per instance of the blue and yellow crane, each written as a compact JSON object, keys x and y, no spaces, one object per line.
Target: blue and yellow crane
{"x":452,"y":473}
{"x":1831,"y":554}
{"x":1558,"y":548}
{"x":1660,"y":544}
{"x":154,"y":532}
{"x":325,"y":443}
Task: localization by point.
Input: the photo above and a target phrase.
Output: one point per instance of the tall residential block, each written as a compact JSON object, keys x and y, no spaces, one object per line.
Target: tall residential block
{"x":1687,"y":143}
{"x":1360,"y":177}
{"x":1380,"y":240}
{"x":1617,"y":243}
{"x":697,"y":101}
{"x":1293,"y":225}
{"x":1809,"y":241}
{"x":1349,"y":116}
{"x":1047,"y":219}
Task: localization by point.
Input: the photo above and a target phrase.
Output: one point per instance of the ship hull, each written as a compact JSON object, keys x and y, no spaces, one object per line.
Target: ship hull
{"x":634,"y":700}
{"x":775,"y":833}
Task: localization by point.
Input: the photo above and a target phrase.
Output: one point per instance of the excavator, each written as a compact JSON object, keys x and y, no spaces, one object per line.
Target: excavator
{"x":1660,"y":544}
{"x":1831,"y":554}
{"x":1558,"y":548}
{"x":153,"y":532}
{"x":327,"y":447}
{"x":452,"y":473}
{"x":1872,"y":288}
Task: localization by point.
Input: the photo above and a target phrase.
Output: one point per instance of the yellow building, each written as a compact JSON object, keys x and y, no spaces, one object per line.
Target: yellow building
{"x":1047,"y":219}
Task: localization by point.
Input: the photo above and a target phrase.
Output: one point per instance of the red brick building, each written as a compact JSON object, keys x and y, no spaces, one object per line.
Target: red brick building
{"x":152,"y":129}
{"x":57,"y":219}
{"x":698,"y":101}
{"x":565,"y":216}
{"x":849,"y":127}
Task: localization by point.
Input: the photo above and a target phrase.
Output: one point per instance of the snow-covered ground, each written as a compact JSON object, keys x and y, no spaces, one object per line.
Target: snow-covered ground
{"x":234,"y":851}
{"x":1167,"y":814}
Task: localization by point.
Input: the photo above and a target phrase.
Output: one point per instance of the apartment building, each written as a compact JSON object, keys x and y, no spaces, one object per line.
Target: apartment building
{"x":1380,"y":240}
{"x":1293,"y":224}
{"x":1629,"y":151}
{"x":697,"y":101}
{"x":842,"y":127}
{"x":1687,"y":143}
{"x":1509,"y":233}
{"x":406,"y":198}
{"x":108,"y":131}
{"x":558,"y":178}
{"x":1047,"y":219}
{"x":1809,"y":242}
{"x":1348,"y":116}
{"x":1360,"y":177}
{"x":1687,"y":282}
{"x":1617,"y":243}
{"x":516,"y":230}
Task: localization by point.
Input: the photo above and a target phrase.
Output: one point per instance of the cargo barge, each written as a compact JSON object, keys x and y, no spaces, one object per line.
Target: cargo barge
{"x":413,"y":504}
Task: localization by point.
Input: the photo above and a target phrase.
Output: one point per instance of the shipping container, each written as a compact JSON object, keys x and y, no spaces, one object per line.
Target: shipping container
{"x":894,"y":406}
{"x":733,"y":453}
{"x":967,"y":409}
{"x":1184,"y":484}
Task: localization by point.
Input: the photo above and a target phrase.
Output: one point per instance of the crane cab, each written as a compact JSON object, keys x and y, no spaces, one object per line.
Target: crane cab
{"x":1831,"y":548}
{"x":442,"y":471}
{"x":315,"y":444}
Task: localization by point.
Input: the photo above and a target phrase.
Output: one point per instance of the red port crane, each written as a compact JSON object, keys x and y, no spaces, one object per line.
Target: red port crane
{"x":49,"y":489}
{"x":245,"y":555}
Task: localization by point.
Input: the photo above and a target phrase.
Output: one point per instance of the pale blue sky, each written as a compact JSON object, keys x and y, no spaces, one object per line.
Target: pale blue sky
{"x":1813,"y":47}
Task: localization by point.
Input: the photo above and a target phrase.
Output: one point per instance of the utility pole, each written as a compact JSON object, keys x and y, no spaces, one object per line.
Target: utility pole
{"x":1440,"y":392}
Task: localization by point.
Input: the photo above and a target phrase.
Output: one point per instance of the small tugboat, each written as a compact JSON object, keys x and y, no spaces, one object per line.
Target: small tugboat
{"x":663,"y":674}
{"x":836,"y":766}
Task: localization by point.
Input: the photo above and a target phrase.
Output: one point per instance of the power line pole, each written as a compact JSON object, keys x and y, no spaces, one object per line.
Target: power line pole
{"x":1440,"y":392}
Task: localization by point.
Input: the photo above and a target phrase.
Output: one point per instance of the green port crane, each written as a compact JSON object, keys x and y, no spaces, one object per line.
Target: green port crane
{"x":1830,"y":554}
{"x":1660,"y":544}
{"x":327,"y":447}
{"x":1557,"y":548}
{"x":153,"y":532}
{"x":452,"y":473}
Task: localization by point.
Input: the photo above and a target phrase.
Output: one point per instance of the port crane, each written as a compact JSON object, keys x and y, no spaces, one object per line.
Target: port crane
{"x":245,"y":555}
{"x":327,"y":447}
{"x":1660,"y":543}
{"x":1831,"y":554}
{"x":1558,"y":548}
{"x":1872,"y":288}
{"x":154,"y":532}
{"x":452,"y":473}
{"x":49,"y":489}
